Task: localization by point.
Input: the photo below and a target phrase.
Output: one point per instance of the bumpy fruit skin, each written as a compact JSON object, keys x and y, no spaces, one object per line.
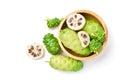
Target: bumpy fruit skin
{"x":70,"y":40}
{"x":53,"y":22}
{"x":65,"y":63}
{"x":95,"y":30}
{"x":95,"y":46}
{"x":51,"y":44}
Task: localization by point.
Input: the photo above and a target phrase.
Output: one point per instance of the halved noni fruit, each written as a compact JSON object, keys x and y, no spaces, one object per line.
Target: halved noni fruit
{"x":84,"y":38}
{"x":76,"y":21}
{"x":35,"y":51}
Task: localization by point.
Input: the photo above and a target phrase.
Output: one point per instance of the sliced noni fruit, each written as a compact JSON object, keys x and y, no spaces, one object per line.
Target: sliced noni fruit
{"x":35,"y":51}
{"x":84,"y":38}
{"x":76,"y":21}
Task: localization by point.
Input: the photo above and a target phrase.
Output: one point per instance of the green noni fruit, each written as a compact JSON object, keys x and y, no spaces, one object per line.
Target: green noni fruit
{"x":95,"y":46}
{"x":65,"y":63}
{"x":70,"y":39}
{"x":53,"y":22}
{"x":51,"y":44}
{"x":95,"y":30}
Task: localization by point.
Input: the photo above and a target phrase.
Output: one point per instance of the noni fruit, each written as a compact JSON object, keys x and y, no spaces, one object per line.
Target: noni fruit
{"x":70,"y":39}
{"x":65,"y":63}
{"x":51,"y":43}
{"x":95,"y":46}
{"x":76,"y":21}
{"x":95,"y":30}
{"x":53,"y":22}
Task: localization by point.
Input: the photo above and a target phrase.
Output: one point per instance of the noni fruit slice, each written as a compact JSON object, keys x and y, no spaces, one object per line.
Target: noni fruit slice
{"x":65,"y":63}
{"x":84,"y":38}
{"x":70,"y":39}
{"x":76,"y":21}
{"x":35,"y":51}
{"x":51,"y":44}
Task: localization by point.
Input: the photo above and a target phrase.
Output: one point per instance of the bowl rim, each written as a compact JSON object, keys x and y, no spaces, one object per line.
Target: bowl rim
{"x":101,"y":22}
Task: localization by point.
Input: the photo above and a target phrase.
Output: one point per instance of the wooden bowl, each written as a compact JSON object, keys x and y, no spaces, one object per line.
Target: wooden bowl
{"x":88,"y":15}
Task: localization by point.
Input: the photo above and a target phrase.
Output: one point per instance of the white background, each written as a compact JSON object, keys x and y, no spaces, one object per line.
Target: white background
{"x":22,"y":22}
